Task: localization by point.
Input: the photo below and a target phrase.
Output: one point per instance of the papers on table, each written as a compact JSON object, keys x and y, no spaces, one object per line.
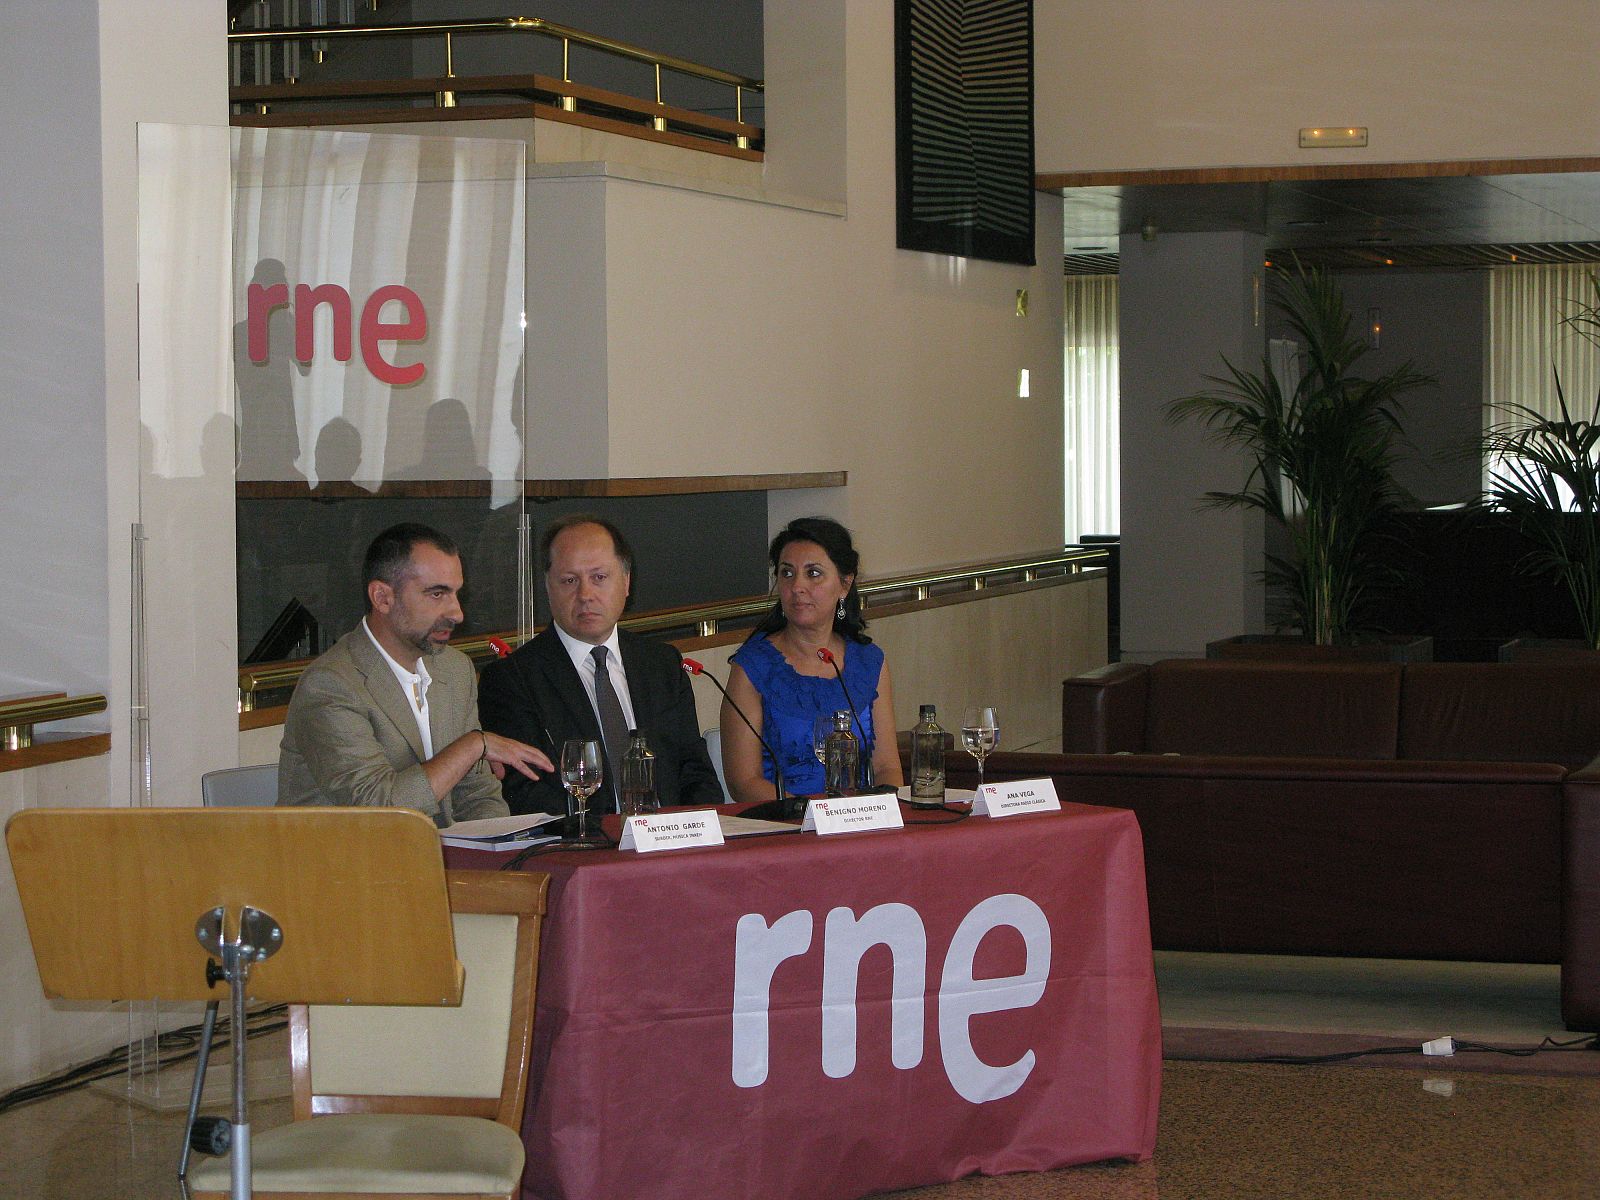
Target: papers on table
{"x":501,"y":833}
{"x":733,"y":827}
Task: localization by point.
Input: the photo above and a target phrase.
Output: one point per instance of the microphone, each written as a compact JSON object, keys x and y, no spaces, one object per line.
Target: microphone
{"x":501,"y":648}
{"x":826,"y":656}
{"x":694,"y":667}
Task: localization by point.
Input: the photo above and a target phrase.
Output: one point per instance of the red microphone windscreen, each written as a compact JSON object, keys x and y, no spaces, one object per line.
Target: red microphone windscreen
{"x":691,"y":666}
{"x":825,"y":654}
{"x":500,"y":648}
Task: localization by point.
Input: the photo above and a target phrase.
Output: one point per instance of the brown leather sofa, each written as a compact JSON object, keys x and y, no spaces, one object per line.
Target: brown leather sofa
{"x":1427,"y":810}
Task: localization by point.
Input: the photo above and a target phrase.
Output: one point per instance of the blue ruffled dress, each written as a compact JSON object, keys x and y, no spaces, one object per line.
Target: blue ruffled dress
{"x":791,"y":701}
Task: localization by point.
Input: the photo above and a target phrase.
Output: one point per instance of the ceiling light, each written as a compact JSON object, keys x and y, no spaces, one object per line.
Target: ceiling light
{"x":1306,"y":224}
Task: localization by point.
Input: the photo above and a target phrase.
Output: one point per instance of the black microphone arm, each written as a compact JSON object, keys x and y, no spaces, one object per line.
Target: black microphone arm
{"x":692,"y":667}
{"x":867,"y":779}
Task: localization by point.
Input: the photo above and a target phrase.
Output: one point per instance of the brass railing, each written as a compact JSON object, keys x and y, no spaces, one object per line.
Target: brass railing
{"x":449,"y":30}
{"x":707,"y":620}
{"x":18,"y":717}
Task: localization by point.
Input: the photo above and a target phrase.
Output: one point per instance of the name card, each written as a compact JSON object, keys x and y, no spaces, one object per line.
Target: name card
{"x":671,"y":831}
{"x":1021,"y":796}
{"x":852,"y":814}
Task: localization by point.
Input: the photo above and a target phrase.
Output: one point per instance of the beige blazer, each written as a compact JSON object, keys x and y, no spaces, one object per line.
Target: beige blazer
{"x":351,"y":737}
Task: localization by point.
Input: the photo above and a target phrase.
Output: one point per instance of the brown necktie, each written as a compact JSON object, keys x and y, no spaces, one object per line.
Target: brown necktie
{"x":612,"y":723}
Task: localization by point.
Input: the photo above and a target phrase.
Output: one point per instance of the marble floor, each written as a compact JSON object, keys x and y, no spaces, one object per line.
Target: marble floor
{"x":1227,"y":1130}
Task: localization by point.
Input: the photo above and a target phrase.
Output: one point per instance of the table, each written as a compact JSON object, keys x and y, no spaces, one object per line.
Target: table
{"x":823,"y":1018}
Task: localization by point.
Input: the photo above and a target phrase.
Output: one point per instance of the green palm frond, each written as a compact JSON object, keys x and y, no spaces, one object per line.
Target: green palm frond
{"x":1332,"y":438}
{"x":1546,"y":474}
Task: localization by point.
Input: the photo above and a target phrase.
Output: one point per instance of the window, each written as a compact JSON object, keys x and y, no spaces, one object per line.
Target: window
{"x":1092,"y":444}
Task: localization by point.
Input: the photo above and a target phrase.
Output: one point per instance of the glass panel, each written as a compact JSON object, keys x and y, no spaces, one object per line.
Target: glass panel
{"x":183,"y":690}
{"x":377,"y":351}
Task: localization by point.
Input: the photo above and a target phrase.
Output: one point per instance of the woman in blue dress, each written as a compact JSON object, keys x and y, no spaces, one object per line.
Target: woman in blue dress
{"x":779,"y":679}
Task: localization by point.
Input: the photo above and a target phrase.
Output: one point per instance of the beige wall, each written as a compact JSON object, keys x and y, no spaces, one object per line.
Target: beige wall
{"x":741,"y":336}
{"x":1169,"y":84}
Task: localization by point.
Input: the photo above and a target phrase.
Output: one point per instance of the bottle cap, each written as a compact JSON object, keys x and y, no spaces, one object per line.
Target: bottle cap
{"x":927,"y":712}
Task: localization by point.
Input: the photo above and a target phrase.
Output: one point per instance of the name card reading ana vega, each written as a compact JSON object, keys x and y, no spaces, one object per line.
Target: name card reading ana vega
{"x":852,"y":814}
{"x":671,"y":831}
{"x":1019,"y":796}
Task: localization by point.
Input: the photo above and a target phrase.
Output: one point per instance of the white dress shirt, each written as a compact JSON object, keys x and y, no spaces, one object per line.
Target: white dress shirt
{"x":582,"y":660}
{"x":415,"y":686}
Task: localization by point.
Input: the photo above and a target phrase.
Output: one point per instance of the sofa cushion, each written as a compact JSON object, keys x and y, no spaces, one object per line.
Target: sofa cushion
{"x":1289,"y":709}
{"x":1507,"y":712}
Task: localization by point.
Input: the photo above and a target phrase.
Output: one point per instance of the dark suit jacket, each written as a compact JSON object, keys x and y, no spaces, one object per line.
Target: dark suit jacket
{"x":350,"y":736}
{"x":535,"y":696}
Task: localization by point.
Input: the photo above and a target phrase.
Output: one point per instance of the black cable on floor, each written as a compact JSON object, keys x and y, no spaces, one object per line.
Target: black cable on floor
{"x":174,"y":1046}
{"x":1586,"y":1043}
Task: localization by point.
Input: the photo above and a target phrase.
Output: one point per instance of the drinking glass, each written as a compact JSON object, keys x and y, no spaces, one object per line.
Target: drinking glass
{"x":980,"y":734}
{"x":821,"y":727}
{"x":582,"y":769}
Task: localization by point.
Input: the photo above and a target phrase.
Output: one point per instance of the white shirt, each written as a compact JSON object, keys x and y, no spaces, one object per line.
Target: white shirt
{"x":415,"y":686}
{"x":582,"y":660}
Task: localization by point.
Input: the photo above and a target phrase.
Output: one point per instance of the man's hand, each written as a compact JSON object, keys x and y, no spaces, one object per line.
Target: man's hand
{"x":503,"y":752}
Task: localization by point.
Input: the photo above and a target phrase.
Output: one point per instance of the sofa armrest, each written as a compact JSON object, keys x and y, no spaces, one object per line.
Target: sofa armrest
{"x":1580,"y":899}
{"x":1103,"y":711}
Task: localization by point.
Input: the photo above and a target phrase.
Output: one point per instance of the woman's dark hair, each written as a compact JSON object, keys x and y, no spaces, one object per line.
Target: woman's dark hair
{"x":834,"y":539}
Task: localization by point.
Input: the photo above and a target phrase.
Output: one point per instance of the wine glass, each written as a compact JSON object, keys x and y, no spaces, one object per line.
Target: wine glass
{"x":980,"y":734}
{"x":582,"y":769}
{"x":821,"y":727}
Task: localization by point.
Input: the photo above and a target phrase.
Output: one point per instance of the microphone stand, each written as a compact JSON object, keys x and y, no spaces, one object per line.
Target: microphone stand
{"x":866,"y":779}
{"x":693,"y":667}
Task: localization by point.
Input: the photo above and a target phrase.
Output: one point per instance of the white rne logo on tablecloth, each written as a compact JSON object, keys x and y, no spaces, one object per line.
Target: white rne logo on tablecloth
{"x":760,"y":948}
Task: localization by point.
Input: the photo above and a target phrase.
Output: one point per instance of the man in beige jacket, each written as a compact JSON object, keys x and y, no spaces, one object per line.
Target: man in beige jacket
{"x":388,"y":716}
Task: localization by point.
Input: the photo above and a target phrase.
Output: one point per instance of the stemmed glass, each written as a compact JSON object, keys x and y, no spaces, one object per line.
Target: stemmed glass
{"x":980,"y":734}
{"x":582,"y":769}
{"x":821,"y":727}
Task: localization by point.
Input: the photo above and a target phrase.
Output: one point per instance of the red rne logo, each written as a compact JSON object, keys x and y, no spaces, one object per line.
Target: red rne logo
{"x":261,"y":300}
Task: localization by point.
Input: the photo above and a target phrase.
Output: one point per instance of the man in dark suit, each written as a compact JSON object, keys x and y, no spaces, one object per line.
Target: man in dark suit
{"x":582,"y":677}
{"x":387,"y":717}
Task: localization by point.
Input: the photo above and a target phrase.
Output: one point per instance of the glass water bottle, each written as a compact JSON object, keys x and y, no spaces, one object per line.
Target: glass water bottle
{"x":927,"y":760}
{"x":638,"y":777}
{"x":841,"y":757}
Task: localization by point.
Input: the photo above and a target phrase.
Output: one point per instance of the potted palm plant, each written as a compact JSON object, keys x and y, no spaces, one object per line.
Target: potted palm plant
{"x":1544,"y":470}
{"x":1321,"y":454}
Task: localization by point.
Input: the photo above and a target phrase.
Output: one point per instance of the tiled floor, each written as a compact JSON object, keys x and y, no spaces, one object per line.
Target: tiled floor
{"x":1227,"y":1130}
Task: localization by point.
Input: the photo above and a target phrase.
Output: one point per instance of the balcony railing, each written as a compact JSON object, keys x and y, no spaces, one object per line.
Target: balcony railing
{"x":564,"y":95}
{"x":256,"y":682}
{"x":18,"y":717}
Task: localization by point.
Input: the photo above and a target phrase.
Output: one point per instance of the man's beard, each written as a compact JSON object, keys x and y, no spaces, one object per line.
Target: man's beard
{"x":426,"y":646}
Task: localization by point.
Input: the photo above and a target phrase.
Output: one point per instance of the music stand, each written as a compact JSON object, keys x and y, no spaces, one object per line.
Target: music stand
{"x":301,"y":905}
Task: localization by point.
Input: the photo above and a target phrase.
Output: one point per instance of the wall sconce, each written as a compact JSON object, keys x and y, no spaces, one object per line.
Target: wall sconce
{"x":1374,"y":327}
{"x":1330,"y":137}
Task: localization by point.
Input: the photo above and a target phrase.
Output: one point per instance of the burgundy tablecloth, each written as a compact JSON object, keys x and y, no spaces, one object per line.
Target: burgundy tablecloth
{"x":646,"y":1084}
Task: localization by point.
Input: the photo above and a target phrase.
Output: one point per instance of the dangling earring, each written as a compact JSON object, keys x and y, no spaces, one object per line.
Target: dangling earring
{"x":839,"y":612}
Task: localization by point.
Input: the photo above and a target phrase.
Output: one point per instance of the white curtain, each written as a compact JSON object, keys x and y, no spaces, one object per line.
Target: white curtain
{"x":1527,"y":345}
{"x":1093,"y":493}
